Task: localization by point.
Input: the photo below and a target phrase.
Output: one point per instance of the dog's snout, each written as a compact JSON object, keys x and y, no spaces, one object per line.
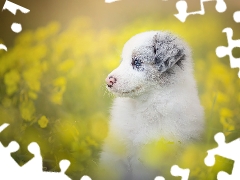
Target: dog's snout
{"x":110,"y":81}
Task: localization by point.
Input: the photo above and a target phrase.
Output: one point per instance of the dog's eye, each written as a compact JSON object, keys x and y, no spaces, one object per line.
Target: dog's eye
{"x":136,"y":63}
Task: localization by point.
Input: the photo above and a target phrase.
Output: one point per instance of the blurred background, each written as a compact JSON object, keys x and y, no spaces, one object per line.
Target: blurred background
{"x":52,"y":87}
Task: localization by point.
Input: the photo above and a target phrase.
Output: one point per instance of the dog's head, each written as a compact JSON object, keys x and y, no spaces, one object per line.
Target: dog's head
{"x":148,"y":59}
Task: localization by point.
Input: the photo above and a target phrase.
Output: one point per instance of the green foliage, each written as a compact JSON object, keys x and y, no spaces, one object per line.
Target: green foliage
{"x":52,"y":91}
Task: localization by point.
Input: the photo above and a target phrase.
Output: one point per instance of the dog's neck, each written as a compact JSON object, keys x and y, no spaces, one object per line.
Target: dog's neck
{"x":152,"y":98}
{"x":162,"y":93}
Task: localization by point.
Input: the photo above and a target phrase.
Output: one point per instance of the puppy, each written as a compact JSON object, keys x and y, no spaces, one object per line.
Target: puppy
{"x":156,"y":99}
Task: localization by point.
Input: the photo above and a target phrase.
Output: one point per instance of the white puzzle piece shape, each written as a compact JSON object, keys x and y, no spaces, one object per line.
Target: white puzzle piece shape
{"x":12,"y":7}
{"x":86,"y":178}
{"x":159,"y":178}
{"x":3,"y":126}
{"x":110,"y":1}
{"x":182,"y":6}
{"x":228,"y":150}
{"x":177,"y":171}
{"x":33,"y":169}
{"x":222,"y":51}
{"x":236,"y":16}
{"x":35,"y":164}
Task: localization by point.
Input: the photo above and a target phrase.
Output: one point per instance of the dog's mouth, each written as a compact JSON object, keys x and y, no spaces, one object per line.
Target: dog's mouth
{"x":132,"y":91}
{"x":121,"y":91}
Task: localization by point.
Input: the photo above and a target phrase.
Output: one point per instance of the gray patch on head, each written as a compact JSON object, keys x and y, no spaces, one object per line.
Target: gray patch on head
{"x":159,"y":55}
{"x":164,"y":51}
{"x":169,"y":50}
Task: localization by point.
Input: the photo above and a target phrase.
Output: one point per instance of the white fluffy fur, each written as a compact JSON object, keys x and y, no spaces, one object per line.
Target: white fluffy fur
{"x":147,"y":110}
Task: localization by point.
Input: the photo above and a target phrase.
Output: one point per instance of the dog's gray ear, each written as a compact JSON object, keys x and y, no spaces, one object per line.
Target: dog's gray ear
{"x":168,"y":51}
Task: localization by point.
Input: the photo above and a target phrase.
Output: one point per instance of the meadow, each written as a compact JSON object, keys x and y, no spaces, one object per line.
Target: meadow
{"x":52,"y":92}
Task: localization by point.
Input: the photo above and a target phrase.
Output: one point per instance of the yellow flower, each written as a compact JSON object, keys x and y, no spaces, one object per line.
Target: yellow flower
{"x":225,"y":112}
{"x":66,"y":65}
{"x":58,"y":91}
{"x":32,"y":95}
{"x":27,"y":110}
{"x":43,"y":122}
{"x":11,"y":80}
{"x":90,"y":141}
{"x":12,"y":77}
{"x":31,"y":77}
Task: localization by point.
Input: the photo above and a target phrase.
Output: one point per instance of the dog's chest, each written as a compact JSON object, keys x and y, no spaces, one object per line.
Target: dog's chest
{"x":137,"y":124}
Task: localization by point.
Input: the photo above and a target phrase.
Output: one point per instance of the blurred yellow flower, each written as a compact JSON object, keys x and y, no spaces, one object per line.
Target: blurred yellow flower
{"x":59,"y":89}
{"x":43,"y":122}
{"x":12,"y":77}
{"x":225,"y":112}
{"x":11,"y":80}
{"x":60,"y":81}
{"x":32,"y":95}
{"x":31,"y":77}
{"x":66,"y":65}
{"x":27,"y":110}
{"x":90,"y":141}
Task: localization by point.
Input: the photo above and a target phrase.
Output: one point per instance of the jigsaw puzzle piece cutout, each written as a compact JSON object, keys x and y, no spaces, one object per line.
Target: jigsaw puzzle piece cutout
{"x":3,"y":126}
{"x":182,"y":6}
{"x":182,"y":11}
{"x":16,"y":27}
{"x":222,"y":51}
{"x":177,"y":171}
{"x":210,"y":159}
{"x":33,"y":169}
{"x":5,"y":155}
{"x":7,"y":161}
{"x":12,"y":7}
{"x":110,"y":1}
{"x":2,"y":46}
{"x":64,"y":164}
{"x":35,"y":164}
{"x":235,"y":171}
{"x":85,"y":178}
{"x":221,"y":6}
{"x":228,"y":150}
{"x":225,"y":176}
{"x":236,"y":16}
{"x":159,"y":178}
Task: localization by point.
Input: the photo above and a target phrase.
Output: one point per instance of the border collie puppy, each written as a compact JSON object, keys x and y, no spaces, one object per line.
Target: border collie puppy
{"x":156,"y":98}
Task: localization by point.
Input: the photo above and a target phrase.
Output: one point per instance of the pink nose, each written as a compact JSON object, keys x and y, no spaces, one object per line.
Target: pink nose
{"x":110,"y":81}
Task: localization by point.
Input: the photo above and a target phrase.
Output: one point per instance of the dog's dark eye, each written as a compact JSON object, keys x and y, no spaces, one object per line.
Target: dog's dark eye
{"x":136,"y":63}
